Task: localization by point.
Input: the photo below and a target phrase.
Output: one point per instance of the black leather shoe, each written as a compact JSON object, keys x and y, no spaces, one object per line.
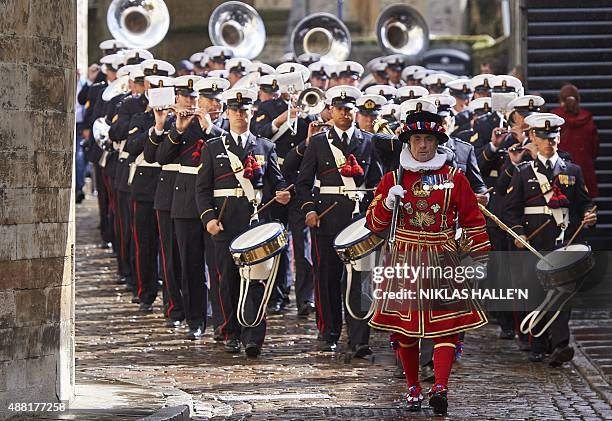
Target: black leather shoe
{"x":361,"y":351}
{"x":328,"y":346}
{"x":252,"y":350}
{"x":414,"y":397}
{"x":196,"y":333}
{"x":561,"y":355}
{"x":121,"y":280}
{"x":146,"y":308}
{"x":427,"y":372}
{"x":275,"y":308}
{"x":218,"y":335}
{"x":232,"y":346}
{"x":438,"y":400}
{"x":536,"y":357}
{"x":136,"y":299}
{"x":305,"y":310}
{"x":173,"y":323}
{"x":507,"y":334}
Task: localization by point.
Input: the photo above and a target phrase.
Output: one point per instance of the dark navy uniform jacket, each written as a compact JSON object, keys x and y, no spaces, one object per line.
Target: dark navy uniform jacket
{"x":119,"y":131}
{"x":525,"y":191}
{"x":185,"y":149}
{"x":261,"y":125}
{"x":165,"y":184}
{"x":216,"y":173}
{"x":145,"y":179}
{"x":319,"y":161}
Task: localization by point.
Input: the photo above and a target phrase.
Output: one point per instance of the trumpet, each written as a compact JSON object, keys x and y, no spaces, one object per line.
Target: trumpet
{"x":381,"y":126}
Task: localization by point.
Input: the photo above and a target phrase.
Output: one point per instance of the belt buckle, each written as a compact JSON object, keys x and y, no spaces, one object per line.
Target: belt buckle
{"x":238,"y":192}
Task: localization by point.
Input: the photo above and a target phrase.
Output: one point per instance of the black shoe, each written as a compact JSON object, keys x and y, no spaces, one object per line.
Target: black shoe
{"x":196,"y":333}
{"x":105,"y":245}
{"x":438,"y":399}
{"x":414,"y":397}
{"x":252,"y":350}
{"x":507,"y":334}
{"x":524,"y":345}
{"x":536,"y":357}
{"x":427,"y":372}
{"x":328,"y":346}
{"x":146,"y":308}
{"x":561,"y":355}
{"x":275,"y":308}
{"x":121,"y":280}
{"x":361,"y":351}
{"x":218,"y":336}
{"x":80,"y":196}
{"x":305,"y":310}
{"x":136,"y":299}
{"x":232,"y":346}
{"x":173,"y":323}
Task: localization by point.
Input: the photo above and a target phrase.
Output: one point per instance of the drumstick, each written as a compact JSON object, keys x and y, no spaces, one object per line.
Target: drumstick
{"x":569,"y":243}
{"x":222,"y":211}
{"x":513,"y":234}
{"x":333,"y":205}
{"x":489,"y":190}
{"x":537,"y":231}
{"x":370,"y":189}
{"x":269,"y":202}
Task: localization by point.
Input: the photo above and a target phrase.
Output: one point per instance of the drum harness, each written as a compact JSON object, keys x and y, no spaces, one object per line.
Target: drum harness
{"x":246,"y":187}
{"x":350,"y":190}
{"x":561,"y":217}
{"x":254,"y":196}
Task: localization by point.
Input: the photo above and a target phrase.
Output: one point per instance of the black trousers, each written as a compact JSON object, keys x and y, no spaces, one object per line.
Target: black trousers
{"x":124,"y":225}
{"x":330,"y":287}
{"x":303,"y":282}
{"x":190,"y":240}
{"x":214,"y":277}
{"x":145,"y":250}
{"x":498,"y":274}
{"x":106,"y":228}
{"x":557,"y":335}
{"x":170,"y":265}
{"x":111,"y":213}
{"x":229,"y":288}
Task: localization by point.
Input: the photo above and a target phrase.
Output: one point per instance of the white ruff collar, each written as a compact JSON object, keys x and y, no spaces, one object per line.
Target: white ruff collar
{"x":410,"y":164}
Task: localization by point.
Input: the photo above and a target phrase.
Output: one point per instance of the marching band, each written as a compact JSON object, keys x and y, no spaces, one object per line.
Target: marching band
{"x":236,"y":180}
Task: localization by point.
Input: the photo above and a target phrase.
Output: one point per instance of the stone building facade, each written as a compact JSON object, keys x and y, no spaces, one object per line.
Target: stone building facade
{"x":37,"y":86}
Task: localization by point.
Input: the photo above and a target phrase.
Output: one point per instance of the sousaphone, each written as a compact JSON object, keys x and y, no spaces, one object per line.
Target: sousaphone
{"x":238,"y":26}
{"x":323,"y":34}
{"x":402,"y":30}
{"x":138,"y":23}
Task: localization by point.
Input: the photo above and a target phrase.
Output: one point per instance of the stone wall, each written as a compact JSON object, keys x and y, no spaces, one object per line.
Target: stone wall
{"x":37,"y":86}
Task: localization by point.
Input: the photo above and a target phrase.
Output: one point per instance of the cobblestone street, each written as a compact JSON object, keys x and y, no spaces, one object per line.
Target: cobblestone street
{"x":291,"y":380}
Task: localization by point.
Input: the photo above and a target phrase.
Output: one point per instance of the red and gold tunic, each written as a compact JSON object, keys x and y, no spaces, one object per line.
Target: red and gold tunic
{"x":425,"y":238}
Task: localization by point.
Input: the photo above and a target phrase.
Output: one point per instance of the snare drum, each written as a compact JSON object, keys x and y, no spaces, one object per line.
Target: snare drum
{"x":356,"y":241}
{"x":568,"y":265}
{"x":259,"y":243}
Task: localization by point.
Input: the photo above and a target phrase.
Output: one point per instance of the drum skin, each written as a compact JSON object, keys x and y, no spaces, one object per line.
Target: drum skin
{"x":566,"y":270}
{"x":356,"y":241}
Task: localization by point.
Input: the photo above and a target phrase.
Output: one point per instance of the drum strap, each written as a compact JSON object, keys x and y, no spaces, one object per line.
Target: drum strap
{"x":349,"y":280}
{"x":139,"y":162}
{"x":254,"y":196}
{"x":245,"y":282}
{"x":347,"y":182}
{"x":561,"y":215}
{"x":532,"y":319}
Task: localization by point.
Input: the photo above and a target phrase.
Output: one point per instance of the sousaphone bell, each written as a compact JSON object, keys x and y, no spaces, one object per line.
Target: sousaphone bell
{"x":238,"y":26}
{"x":138,"y":23}
{"x":402,"y":30}
{"x":323,"y":34}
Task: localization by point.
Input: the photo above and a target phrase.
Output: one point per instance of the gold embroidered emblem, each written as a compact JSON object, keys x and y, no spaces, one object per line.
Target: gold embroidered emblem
{"x":422,"y":219}
{"x":417,"y":189}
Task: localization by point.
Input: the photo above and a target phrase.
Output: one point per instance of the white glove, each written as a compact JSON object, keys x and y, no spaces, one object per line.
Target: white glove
{"x":394,"y":192}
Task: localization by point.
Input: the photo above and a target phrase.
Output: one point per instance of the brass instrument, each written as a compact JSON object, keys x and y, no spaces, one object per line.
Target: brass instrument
{"x":238,"y":26}
{"x":323,"y":34}
{"x":402,"y":30}
{"x":138,"y":23}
